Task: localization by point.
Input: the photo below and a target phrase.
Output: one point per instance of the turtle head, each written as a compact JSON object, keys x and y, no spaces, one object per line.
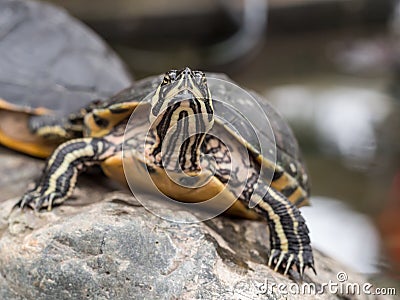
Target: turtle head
{"x":181,"y":115}
{"x":178,"y":91}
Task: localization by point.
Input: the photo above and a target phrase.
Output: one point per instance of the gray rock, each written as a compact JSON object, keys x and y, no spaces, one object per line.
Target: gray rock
{"x":104,"y":245}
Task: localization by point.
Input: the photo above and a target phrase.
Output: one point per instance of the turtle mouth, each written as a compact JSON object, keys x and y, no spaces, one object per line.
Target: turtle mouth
{"x":186,"y":95}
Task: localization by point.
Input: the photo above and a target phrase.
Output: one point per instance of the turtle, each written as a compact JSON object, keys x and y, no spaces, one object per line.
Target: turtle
{"x":48,"y":72}
{"x":156,"y":142}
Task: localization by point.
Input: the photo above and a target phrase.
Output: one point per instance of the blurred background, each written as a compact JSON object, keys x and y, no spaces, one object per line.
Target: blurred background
{"x":331,"y":67}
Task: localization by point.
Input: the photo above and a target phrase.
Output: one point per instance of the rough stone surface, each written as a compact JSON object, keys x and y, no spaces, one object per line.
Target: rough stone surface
{"x":104,"y":245}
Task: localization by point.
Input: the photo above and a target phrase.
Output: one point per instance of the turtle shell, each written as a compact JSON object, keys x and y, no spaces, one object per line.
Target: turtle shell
{"x":50,"y":64}
{"x":236,"y":110}
{"x":51,"y":61}
{"x":273,"y":140}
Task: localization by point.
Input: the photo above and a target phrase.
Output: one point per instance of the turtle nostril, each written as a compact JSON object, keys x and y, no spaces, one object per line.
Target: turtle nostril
{"x":186,"y":71}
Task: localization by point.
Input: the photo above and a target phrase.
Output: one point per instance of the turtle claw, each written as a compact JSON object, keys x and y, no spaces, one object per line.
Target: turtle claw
{"x":36,"y":201}
{"x":287,"y":260}
{"x":27,"y":199}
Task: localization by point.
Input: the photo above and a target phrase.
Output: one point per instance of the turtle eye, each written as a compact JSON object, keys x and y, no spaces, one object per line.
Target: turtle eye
{"x":198,"y":76}
{"x":172,"y":74}
{"x":169,"y":77}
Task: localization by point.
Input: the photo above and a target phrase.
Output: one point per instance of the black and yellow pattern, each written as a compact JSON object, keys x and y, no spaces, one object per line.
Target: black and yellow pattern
{"x":174,"y":131}
{"x":290,"y":242}
{"x":59,"y":176}
{"x":182,"y":114}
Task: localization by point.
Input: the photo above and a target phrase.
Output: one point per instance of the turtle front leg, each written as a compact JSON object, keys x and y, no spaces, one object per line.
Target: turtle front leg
{"x":60,"y":173}
{"x":289,"y":235}
{"x":49,"y":127}
{"x":53,"y":127}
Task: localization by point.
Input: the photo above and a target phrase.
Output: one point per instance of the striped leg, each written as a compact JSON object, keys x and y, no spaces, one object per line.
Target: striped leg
{"x":289,"y":235}
{"x":49,"y":127}
{"x":59,"y":176}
